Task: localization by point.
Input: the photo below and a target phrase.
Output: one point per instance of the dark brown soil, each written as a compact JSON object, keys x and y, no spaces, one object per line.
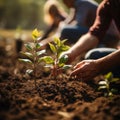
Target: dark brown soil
{"x":68,"y":100}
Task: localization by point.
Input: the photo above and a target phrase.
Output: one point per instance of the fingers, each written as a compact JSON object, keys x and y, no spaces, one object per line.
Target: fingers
{"x":80,"y":68}
{"x":84,"y":71}
{"x":78,"y":65}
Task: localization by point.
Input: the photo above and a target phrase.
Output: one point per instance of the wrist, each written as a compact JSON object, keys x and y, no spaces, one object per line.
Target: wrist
{"x":101,"y":65}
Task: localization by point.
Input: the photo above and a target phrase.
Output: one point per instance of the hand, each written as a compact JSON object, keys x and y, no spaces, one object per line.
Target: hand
{"x":85,"y":70}
{"x":69,"y":54}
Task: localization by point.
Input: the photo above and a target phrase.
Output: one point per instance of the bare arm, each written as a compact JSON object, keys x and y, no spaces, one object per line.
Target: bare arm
{"x":71,"y":16}
{"x":110,"y":61}
{"x":88,"y":69}
{"x":85,"y":43}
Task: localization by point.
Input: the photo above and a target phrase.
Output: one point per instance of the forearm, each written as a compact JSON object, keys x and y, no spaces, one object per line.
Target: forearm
{"x":109,"y":62}
{"x":85,"y":43}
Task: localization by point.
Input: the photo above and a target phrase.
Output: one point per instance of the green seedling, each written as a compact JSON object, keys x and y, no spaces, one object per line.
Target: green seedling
{"x":107,"y":83}
{"x":33,"y":54}
{"x":56,"y":63}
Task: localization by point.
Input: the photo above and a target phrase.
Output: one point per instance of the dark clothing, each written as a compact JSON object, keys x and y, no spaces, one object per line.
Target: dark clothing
{"x":84,"y":16}
{"x":85,"y":12}
{"x":97,"y":53}
{"x":73,"y":33}
{"x":107,"y":11}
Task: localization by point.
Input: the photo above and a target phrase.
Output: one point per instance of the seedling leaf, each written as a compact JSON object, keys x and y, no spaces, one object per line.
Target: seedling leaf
{"x":35,"y":34}
{"x":41,"y":52}
{"x":102,"y":87}
{"x":65,"y":67}
{"x":57,"y":41}
{"x":115,"y":79}
{"x":65,"y":47}
{"x":63,"y":41}
{"x":63,"y":59}
{"x":47,"y":59}
{"x":114,"y":90}
{"x":109,"y":76}
{"x":102,"y":83}
{"x":38,"y":45}
{"x":48,"y":66}
{"x":107,"y":84}
{"x":110,"y":94}
{"x":28,"y":47}
{"x":28,"y":54}
{"x":52,"y":47}
{"x":29,"y":71}
{"x":26,"y":61}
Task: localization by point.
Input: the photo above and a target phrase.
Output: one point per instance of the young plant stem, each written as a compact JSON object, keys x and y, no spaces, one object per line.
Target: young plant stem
{"x":56,"y":71}
{"x":108,"y":88}
{"x":35,"y":77}
{"x":34,"y":64}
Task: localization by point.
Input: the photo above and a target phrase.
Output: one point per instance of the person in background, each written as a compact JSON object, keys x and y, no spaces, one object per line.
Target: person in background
{"x":82,"y":17}
{"x":99,"y":60}
{"x":77,"y":23}
{"x":81,"y":20}
{"x":53,"y":15}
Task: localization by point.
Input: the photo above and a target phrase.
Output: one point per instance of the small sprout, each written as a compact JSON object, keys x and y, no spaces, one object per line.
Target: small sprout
{"x":57,"y":63}
{"x":33,"y":54}
{"x":106,"y":84}
{"x":36,"y":34}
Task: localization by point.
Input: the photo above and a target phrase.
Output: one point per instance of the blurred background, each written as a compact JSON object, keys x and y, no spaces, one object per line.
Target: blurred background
{"x":27,"y":14}
{"x":21,"y":15}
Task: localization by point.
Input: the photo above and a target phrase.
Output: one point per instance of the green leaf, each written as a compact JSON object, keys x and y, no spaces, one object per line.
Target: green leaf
{"x":109,"y":76}
{"x":52,"y":47}
{"x":115,"y":79}
{"x":26,"y":61}
{"x":47,"y":59}
{"x":29,"y":71}
{"x":28,"y":54}
{"x":35,"y":34}
{"x":63,"y":41}
{"x":65,"y":67}
{"x":102,"y":83}
{"x":102,"y":87}
{"x":61,"y":64}
{"x":110,"y":94}
{"x":114,"y":90}
{"x":28,"y":47}
{"x":57,"y":41}
{"x":48,"y":66}
{"x":62,"y":48}
{"x":63,"y":59}
{"x":41,"y":52}
{"x":38,"y":45}
{"x":65,"y":48}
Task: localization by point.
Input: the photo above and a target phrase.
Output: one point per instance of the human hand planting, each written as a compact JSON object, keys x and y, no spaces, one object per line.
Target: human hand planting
{"x":85,"y":70}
